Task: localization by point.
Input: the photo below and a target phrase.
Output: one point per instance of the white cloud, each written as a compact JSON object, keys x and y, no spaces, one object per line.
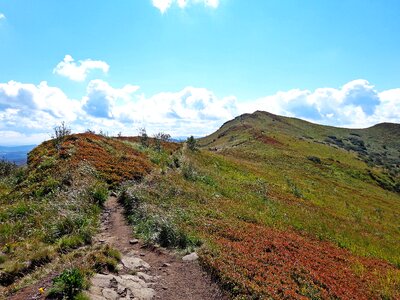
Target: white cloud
{"x":190,"y":111}
{"x":101,"y":98}
{"x":164,"y":5}
{"x":27,"y":98}
{"x":2,"y":16}
{"x":355,"y":104}
{"x":32,"y":111}
{"x":15,"y":138}
{"x":79,"y":71}
{"x":28,"y":112}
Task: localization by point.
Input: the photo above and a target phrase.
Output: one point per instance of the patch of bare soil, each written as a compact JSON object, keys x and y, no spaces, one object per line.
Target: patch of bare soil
{"x":158,"y":273}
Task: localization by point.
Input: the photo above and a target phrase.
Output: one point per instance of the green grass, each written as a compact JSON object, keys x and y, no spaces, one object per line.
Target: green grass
{"x":40,"y":218}
{"x":334,"y":200}
{"x":268,"y":171}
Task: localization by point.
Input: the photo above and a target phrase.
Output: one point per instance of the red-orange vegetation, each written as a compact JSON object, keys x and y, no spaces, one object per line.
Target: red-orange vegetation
{"x":113,"y":159}
{"x":169,"y":146}
{"x":259,"y":136}
{"x":267,"y":262}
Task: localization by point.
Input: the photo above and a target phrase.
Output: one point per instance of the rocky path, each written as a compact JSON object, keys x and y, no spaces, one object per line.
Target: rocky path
{"x":147,"y":273}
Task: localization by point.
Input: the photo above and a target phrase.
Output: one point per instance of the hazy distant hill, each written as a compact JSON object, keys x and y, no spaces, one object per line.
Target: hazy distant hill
{"x":17,"y":154}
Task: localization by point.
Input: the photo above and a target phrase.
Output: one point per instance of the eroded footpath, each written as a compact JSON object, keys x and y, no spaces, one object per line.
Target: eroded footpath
{"x":147,"y":273}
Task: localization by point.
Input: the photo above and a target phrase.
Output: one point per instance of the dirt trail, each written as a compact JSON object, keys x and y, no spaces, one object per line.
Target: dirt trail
{"x":158,"y":273}
{"x":144,"y":273}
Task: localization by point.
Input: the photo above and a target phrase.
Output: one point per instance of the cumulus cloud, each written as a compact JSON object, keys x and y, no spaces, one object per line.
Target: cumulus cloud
{"x":101,"y":98}
{"x":79,"y":71}
{"x":355,"y":104}
{"x":15,"y":138}
{"x":164,"y":5}
{"x":28,"y":112}
{"x":2,"y":16}
{"x":190,"y":111}
{"x":24,"y":99}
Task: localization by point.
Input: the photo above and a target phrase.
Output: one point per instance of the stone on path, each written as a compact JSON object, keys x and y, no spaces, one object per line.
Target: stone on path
{"x":134,"y":263}
{"x":190,"y":257}
{"x":113,"y":287}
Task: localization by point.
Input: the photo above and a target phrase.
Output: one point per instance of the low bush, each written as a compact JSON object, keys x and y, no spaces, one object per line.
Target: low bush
{"x":106,"y":260}
{"x":71,"y":242}
{"x":68,"y":284}
{"x":6,"y":168}
{"x":99,"y":193}
{"x":152,"y":227}
{"x":294,"y":189}
{"x":314,"y":159}
{"x":189,"y":172}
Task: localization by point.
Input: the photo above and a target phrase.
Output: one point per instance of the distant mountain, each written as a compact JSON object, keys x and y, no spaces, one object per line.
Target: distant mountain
{"x":17,"y":154}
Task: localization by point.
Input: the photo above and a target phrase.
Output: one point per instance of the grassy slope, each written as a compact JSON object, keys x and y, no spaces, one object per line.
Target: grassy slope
{"x":275,"y":222}
{"x":50,"y":211}
{"x":344,"y":203}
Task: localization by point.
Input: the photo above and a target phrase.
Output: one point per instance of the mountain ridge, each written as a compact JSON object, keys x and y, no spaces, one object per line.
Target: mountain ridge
{"x":275,"y":207}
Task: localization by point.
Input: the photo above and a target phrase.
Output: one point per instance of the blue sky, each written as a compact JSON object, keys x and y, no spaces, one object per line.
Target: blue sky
{"x":185,"y":67}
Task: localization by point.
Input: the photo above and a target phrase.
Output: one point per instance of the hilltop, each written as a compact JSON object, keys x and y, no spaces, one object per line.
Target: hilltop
{"x":275,"y":207}
{"x":378,"y":146}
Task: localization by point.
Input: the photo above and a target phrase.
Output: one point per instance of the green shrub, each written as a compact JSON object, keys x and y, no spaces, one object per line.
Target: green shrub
{"x":6,"y":168}
{"x":70,"y":232}
{"x":49,"y":186}
{"x":314,"y":159}
{"x":189,"y":172}
{"x":68,"y":284}
{"x":81,"y":296}
{"x":191,"y":143}
{"x":65,"y":226}
{"x":112,"y":252}
{"x":294,"y":189}
{"x":99,"y":193}
{"x":3,"y":258}
{"x":69,"y":243}
{"x":106,"y":260}
{"x":170,"y":236}
{"x":153,"y":228}
{"x":59,"y":135}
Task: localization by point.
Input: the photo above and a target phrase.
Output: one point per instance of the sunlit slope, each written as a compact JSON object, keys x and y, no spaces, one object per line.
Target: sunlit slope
{"x":377,"y":146}
{"x":51,"y":208}
{"x":321,"y":188}
{"x":283,"y":212}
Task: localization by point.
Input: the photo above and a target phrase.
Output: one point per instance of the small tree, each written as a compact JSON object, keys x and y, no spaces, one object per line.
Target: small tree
{"x":90,"y":131}
{"x":59,"y":134}
{"x":159,"y":138}
{"x":104,"y":133}
{"x":191,"y":143}
{"x":144,"y":138}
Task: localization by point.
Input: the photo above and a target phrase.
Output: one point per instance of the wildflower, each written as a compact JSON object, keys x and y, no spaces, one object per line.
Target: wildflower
{"x":41,"y":290}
